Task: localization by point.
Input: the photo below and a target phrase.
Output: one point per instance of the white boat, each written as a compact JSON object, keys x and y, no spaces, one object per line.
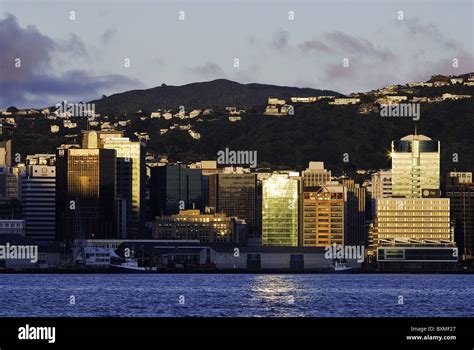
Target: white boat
{"x":340,"y":267}
{"x":131,"y":266}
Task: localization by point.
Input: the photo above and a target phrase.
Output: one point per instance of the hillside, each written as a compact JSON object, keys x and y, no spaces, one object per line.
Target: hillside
{"x":220,"y":92}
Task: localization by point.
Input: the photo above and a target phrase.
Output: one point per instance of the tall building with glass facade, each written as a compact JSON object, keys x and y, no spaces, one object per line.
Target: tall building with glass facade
{"x":85,"y":194}
{"x":460,"y":189}
{"x":130,"y":178}
{"x":415,"y":167}
{"x":174,"y":188}
{"x":280,"y":209}
{"x":130,"y":173}
{"x":234,"y":195}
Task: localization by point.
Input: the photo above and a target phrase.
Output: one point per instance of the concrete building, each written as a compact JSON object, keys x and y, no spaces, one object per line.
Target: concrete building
{"x":417,"y":219}
{"x":316,"y":175}
{"x":12,"y":227}
{"x":193,"y":225}
{"x":382,"y":184}
{"x":38,"y":197}
{"x":323,"y":215}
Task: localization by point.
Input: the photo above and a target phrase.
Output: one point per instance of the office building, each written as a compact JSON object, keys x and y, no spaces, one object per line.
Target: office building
{"x":85,"y":194}
{"x":382,"y":184}
{"x":12,"y":227}
{"x":193,"y":225}
{"x":316,"y":175}
{"x":414,"y":220}
{"x":323,"y":215}
{"x":415,"y":167}
{"x":38,"y":197}
{"x":355,"y":231}
{"x":461,"y":194}
{"x":280,"y":209}
{"x":174,"y":188}
{"x":235,"y":195}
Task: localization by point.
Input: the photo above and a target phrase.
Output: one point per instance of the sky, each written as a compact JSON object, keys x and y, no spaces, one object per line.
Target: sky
{"x":82,"y":56}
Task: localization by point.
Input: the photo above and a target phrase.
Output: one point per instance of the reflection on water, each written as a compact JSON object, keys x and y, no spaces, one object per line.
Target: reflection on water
{"x":237,"y":295}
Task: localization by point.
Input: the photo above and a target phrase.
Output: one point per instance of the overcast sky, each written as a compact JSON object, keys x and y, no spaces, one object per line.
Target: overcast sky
{"x":83,"y":59}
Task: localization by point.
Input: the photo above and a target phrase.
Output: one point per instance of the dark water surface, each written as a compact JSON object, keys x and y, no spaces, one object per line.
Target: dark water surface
{"x":231,"y":295}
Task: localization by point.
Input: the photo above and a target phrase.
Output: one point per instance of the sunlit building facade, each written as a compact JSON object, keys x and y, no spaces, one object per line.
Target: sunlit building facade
{"x":130,"y":184}
{"x":415,"y":167}
{"x":280,"y":209}
{"x":412,"y":219}
{"x":85,"y":194}
{"x":316,"y":174}
{"x":323,"y":215}
{"x":382,"y":184}
{"x":193,"y":225}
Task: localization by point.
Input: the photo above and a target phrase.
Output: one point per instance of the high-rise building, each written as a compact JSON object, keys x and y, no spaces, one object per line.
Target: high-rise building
{"x":130,"y":182}
{"x":415,"y":167}
{"x":461,"y":194}
{"x":415,"y":220}
{"x":85,"y":194}
{"x":174,"y":188}
{"x":234,"y":195}
{"x":382,"y":184}
{"x":38,"y":197}
{"x":316,"y":175}
{"x":355,"y":229}
{"x":280,"y":209}
{"x":207,"y":167}
{"x":6,"y":132}
{"x":323,"y":215}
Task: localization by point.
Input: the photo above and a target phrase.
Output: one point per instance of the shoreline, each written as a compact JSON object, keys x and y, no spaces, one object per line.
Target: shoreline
{"x":82,"y":271}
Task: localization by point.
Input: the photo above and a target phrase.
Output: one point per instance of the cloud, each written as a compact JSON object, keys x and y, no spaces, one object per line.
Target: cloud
{"x":316,"y":45}
{"x":353,"y":46}
{"x":108,"y":35}
{"x":37,"y":81}
{"x":280,"y":40}
{"x":208,"y":70}
{"x":29,"y":46}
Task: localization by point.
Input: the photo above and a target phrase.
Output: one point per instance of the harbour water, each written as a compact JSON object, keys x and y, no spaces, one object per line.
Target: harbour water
{"x":236,"y":295}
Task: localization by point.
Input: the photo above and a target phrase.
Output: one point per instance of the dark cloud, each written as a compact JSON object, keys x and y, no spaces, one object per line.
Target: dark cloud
{"x":38,"y":82}
{"x":29,"y":45}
